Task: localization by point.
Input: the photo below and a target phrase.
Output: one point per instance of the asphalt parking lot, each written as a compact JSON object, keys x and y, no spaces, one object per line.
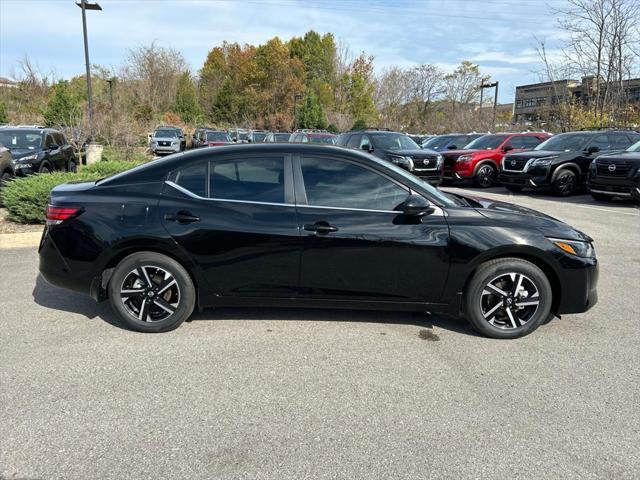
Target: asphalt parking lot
{"x":293,"y":394}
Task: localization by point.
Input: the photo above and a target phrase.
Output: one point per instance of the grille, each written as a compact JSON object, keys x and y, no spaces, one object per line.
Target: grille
{"x":621,"y":168}
{"x":515,"y":164}
{"x":424,"y":162}
{"x":164,"y":144}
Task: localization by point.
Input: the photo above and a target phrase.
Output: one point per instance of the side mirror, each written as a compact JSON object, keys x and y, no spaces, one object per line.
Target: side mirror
{"x":416,"y":206}
{"x":507,"y":148}
{"x":53,"y":146}
{"x":234,"y":139}
{"x":593,"y":149}
{"x":366,"y":147}
{"x":452,"y":147}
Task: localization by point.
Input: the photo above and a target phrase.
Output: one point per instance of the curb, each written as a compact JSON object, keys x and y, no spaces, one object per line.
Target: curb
{"x":20,"y":240}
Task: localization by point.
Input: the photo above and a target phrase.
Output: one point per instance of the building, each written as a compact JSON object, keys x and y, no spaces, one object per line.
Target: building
{"x":537,"y":98}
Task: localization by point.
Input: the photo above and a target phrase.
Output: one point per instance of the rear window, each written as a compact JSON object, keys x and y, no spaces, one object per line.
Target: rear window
{"x":165,"y":133}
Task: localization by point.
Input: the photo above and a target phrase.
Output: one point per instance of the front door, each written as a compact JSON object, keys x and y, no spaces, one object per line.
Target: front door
{"x":356,"y":247}
{"x":236,"y":218}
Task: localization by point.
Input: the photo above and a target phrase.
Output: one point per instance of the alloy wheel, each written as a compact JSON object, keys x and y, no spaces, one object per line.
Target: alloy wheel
{"x":150,"y":293}
{"x":509,"y":300}
{"x":566,"y":183}
{"x":486,"y":176}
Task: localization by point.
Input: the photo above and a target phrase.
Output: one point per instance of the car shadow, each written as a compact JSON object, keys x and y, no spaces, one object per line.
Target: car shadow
{"x":55,"y":298}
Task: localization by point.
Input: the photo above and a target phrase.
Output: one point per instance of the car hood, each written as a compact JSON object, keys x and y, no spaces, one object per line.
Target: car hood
{"x":457,"y":153}
{"x":540,"y":154}
{"x":18,"y":153}
{"x":524,"y":217}
{"x":418,"y":152}
{"x":633,"y":156}
{"x":164,"y":139}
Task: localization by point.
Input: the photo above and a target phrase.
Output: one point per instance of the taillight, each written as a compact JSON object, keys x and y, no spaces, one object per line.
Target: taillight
{"x":56,"y":215}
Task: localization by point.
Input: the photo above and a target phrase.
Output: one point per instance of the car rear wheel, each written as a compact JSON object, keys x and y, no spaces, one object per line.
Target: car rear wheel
{"x":486,"y":176}
{"x":508,"y":298}
{"x":513,"y":188}
{"x":565,"y":184}
{"x":72,"y":167}
{"x":151,"y":292}
{"x":45,"y":168}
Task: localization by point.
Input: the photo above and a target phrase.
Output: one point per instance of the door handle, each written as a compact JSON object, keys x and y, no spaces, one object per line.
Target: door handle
{"x":320,"y":228}
{"x":182,"y":217}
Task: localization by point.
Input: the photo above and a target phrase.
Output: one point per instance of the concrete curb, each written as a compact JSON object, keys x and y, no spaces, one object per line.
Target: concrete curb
{"x":20,"y":240}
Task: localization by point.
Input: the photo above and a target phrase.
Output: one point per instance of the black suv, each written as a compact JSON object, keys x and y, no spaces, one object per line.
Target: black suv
{"x":399,"y":149}
{"x":38,"y":150}
{"x":616,"y":175}
{"x":561,"y":162}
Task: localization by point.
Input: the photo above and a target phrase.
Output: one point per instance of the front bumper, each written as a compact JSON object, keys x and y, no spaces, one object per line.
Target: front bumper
{"x":524,"y":179}
{"x":615,"y":187}
{"x":166,"y":149}
{"x":578,"y":282}
{"x":434,"y":177}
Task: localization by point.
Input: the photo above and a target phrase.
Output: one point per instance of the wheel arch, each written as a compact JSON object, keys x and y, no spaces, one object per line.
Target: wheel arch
{"x":573,"y":167}
{"x":529,"y":254}
{"x":485,"y":161}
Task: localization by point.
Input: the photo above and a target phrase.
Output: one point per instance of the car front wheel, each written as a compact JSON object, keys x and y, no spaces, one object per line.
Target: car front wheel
{"x":151,"y":292}
{"x":565,"y":184}
{"x":508,"y":298}
{"x":485,"y":176}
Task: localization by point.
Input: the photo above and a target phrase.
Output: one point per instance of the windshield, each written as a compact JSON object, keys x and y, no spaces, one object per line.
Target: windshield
{"x":633,"y":148}
{"x":20,"y":139}
{"x":218,"y":137}
{"x":443,"y":141}
{"x":486,"y":142}
{"x":326,"y":139}
{"x":258,"y":136}
{"x":393,"y":141}
{"x":281,"y":137}
{"x":165,"y":133}
{"x":565,"y":142}
{"x":243,"y":135}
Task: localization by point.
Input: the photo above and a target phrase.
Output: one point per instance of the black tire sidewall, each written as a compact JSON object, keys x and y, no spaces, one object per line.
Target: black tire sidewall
{"x":556,"y":184}
{"x":477,"y":178}
{"x":187,"y":291}
{"x":492,"y":269}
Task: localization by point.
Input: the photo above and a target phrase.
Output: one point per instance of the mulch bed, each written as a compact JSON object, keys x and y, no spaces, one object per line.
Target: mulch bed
{"x":7,"y":226}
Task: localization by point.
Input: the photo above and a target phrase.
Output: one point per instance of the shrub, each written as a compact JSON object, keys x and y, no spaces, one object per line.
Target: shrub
{"x":26,"y":198}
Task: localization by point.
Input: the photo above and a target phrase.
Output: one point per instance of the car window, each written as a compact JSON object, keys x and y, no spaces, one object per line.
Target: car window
{"x":59,"y":139}
{"x":523,"y":142}
{"x":354,"y":141}
{"x":192,"y":178}
{"x":619,"y":141}
{"x":256,"y":179}
{"x":600,"y":141}
{"x":337,"y":183}
{"x":48,"y":142}
{"x":365,"y":141}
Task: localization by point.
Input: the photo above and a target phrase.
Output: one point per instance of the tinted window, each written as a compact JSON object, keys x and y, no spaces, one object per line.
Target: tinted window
{"x":393,"y":141}
{"x":600,"y":141}
{"x":335,"y":183}
{"x":20,"y":139}
{"x":281,"y":137}
{"x":523,"y":142}
{"x":354,"y":141}
{"x":619,"y":141}
{"x":218,"y":137}
{"x":487,"y":142}
{"x":192,"y":178}
{"x":565,"y":142}
{"x":49,"y":141}
{"x":165,"y":133}
{"x":257,"y":180}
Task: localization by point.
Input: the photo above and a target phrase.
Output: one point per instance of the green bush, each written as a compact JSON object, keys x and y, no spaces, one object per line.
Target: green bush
{"x":26,"y":198}
{"x":112,"y":154}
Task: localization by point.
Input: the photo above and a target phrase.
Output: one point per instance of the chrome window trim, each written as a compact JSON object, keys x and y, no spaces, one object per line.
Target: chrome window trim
{"x":255,"y":202}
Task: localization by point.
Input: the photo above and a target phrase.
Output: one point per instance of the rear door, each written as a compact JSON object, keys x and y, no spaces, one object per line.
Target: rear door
{"x":236,"y":218}
{"x":55,"y":155}
{"x":355,"y":246}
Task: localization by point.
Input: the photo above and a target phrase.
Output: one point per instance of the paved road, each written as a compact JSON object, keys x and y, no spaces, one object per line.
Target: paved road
{"x":293,"y":394}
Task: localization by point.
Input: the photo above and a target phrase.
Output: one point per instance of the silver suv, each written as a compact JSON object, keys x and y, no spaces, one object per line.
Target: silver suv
{"x":166,"y":140}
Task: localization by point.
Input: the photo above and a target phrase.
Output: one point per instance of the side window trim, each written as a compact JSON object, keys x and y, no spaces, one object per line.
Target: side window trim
{"x":301,"y":195}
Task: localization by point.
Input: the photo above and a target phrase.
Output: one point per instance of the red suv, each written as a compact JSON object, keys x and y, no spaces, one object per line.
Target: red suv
{"x":480,"y":160}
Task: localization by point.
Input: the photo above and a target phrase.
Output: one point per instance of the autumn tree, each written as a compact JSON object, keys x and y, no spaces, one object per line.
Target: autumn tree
{"x":62,"y":108}
{"x":186,"y":104}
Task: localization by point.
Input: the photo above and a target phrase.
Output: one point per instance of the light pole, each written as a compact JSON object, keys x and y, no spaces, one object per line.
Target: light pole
{"x":495,"y":100}
{"x":84,"y":5}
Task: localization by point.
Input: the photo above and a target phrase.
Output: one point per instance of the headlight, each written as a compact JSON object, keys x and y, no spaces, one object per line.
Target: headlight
{"x":32,"y":156}
{"x":464,"y":158}
{"x":398,"y":159}
{"x":439,"y":160}
{"x":574,"y":247}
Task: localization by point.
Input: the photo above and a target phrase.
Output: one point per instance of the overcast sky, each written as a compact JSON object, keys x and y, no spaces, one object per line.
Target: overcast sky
{"x":496,"y":34}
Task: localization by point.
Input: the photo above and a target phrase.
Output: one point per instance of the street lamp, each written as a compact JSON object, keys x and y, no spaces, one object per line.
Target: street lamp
{"x":84,"y":5}
{"x":296,"y":96}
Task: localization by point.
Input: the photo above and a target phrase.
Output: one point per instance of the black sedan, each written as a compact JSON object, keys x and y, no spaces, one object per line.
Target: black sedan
{"x":308,"y":226}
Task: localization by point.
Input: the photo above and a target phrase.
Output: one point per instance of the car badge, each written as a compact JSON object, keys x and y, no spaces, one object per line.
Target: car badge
{"x":513,"y":163}
{"x":612,"y":167}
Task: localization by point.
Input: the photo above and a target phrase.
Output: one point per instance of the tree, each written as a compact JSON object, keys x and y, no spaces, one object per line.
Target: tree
{"x":311,"y":114}
{"x":359,"y":125}
{"x":4,"y":116}
{"x":186,"y":104}
{"x":62,"y":108}
{"x":361,"y":89}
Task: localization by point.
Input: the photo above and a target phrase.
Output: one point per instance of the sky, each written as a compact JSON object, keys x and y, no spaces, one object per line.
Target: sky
{"x":499,"y":35}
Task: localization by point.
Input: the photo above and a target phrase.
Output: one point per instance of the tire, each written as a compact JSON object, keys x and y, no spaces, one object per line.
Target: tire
{"x":512,"y":316}
{"x":565,"y":184}
{"x":485,"y":176}
{"x":165,"y":304}
{"x":72,"y":166}
{"x":514,"y":188}
{"x":600,"y":197}
{"x":44,"y":168}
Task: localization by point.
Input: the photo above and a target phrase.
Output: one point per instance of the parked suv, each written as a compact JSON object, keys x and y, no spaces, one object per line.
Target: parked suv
{"x":215,"y":138}
{"x":197,"y":139}
{"x":256,"y":136}
{"x":399,"y":149}
{"x":167,"y":140}
{"x":616,"y":175}
{"x":38,"y":150}
{"x":277,"y":137}
{"x":480,"y":160}
{"x":313,"y":137}
{"x":562,"y":162}
{"x":452,"y":141}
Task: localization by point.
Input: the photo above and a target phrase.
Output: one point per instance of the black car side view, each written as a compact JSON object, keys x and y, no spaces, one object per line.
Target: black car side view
{"x":398,"y":149}
{"x":308,"y":226}
{"x":38,"y":150}
{"x":616,"y":175}
{"x":562,"y":162}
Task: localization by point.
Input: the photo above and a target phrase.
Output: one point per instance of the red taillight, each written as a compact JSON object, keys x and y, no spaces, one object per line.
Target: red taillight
{"x":56,"y":215}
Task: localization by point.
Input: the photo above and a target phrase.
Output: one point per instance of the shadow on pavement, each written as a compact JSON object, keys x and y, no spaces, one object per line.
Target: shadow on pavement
{"x":55,"y":298}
